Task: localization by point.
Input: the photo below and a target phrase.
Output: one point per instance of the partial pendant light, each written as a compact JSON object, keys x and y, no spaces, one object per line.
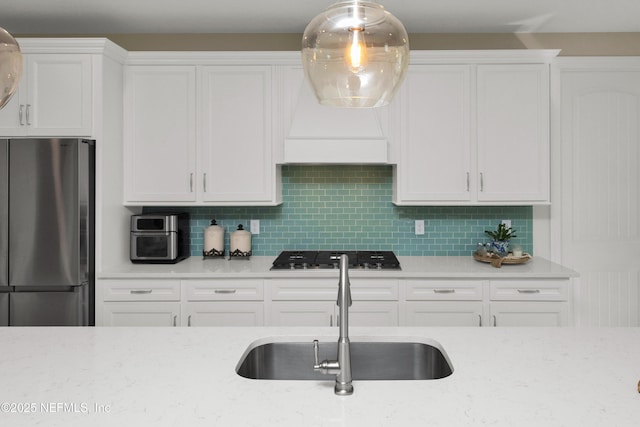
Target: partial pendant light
{"x":355,"y":54}
{"x":10,"y":66}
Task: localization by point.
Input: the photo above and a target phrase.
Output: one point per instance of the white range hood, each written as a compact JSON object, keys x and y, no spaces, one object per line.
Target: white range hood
{"x":318,"y":134}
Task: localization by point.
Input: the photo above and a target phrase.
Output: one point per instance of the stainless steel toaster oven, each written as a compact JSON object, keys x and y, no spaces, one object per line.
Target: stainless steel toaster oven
{"x":159,"y":238}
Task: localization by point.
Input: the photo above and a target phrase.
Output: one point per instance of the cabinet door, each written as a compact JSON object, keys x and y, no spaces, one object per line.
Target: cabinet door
{"x":303,"y":313}
{"x":160,"y":134}
{"x":235,"y":139}
{"x":59,"y":95}
{"x":513,"y":132}
{"x":372,"y":313}
{"x":12,"y":115}
{"x":231,"y":313}
{"x":54,"y":98}
{"x":141,"y":314}
{"x":530,"y":313}
{"x":442,"y":313}
{"x":435,"y":149}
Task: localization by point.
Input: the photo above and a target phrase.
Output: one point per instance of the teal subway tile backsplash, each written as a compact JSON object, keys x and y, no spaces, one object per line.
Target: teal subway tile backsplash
{"x":349,"y":208}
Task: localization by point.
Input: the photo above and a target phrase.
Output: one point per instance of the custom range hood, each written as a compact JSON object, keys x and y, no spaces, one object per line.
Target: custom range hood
{"x":317,"y":134}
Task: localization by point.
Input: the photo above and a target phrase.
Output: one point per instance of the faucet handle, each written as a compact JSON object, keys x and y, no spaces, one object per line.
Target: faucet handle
{"x":316,"y":355}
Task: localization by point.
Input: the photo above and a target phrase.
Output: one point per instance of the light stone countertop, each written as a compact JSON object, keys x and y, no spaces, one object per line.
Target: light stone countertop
{"x":412,"y":267}
{"x":186,"y":377}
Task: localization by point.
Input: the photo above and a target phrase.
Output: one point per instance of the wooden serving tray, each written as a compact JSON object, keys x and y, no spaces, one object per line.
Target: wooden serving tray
{"x":497,"y":261}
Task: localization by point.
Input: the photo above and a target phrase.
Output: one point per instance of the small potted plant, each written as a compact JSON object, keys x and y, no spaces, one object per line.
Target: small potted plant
{"x":501,"y":237}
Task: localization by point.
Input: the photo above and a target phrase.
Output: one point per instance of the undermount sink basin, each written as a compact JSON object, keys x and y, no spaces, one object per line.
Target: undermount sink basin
{"x":379,"y":360}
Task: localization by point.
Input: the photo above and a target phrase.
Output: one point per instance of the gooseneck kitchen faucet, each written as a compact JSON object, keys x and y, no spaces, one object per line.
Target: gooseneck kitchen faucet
{"x":341,"y":367}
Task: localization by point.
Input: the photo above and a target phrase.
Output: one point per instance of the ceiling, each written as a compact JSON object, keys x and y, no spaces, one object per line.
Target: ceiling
{"x":291,"y":16}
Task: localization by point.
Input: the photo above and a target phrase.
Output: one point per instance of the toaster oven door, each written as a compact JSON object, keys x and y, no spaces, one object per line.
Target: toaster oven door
{"x":152,"y":247}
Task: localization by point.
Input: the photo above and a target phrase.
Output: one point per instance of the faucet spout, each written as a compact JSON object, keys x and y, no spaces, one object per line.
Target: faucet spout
{"x":341,"y":367}
{"x":344,"y":384}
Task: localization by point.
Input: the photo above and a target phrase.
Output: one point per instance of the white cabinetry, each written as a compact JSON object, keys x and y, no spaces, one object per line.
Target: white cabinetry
{"x":160,"y":133}
{"x":312,"y":302}
{"x":235,"y":140}
{"x":465,"y":128}
{"x":442,"y":303}
{"x":223,"y":302}
{"x":529,"y":302}
{"x":431,"y":302}
{"x":54,"y":97}
{"x":199,"y":135}
{"x":142,"y":302}
{"x":513,"y":133}
{"x":435,"y":145}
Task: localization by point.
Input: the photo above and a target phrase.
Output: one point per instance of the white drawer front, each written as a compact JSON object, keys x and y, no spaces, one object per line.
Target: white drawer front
{"x":529,"y":290}
{"x":140,"y":290}
{"x":327,"y":289}
{"x":443,"y":290}
{"x":224,"y":290}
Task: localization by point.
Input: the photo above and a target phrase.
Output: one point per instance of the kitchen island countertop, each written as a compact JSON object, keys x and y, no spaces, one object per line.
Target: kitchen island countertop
{"x":441,"y":267}
{"x":186,"y":377}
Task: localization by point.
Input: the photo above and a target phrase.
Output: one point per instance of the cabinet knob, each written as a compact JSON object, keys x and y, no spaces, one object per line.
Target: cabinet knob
{"x":141,"y":291}
{"x":20,"y":114}
{"x":225,"y":291}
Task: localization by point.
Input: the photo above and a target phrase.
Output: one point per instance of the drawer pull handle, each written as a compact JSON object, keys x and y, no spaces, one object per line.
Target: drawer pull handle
{"x":225,"y":291}
{"x":529,"y":291}
{"x":141,"y":291}
{"x":444,"y":291}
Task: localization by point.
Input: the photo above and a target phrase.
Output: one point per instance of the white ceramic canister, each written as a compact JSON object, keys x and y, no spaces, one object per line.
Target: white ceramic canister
{"x":214,"y":239}
{"x":240,"y":242}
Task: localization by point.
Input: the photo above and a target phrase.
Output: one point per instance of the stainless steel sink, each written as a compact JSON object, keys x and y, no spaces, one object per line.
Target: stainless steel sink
{"x":369,"y":361}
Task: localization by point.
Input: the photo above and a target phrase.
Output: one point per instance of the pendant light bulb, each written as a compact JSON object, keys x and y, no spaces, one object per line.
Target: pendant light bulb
{"x":355,"y":54}
{"x":357,"y":50}
{"x":10,"y":66}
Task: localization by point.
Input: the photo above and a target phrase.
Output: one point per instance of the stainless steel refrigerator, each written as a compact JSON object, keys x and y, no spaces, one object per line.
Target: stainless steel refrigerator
{"x":47,"y":232}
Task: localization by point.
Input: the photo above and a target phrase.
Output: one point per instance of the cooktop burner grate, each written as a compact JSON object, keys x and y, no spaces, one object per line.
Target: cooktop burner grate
{"x":374,"y":260}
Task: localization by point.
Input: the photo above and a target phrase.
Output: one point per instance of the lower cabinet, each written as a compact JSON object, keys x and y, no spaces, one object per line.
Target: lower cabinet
{"x":442,"y":313}
{"x":529,"y":314}
{"x":235,"y":313}
{"x":533,"y":302}
{"x":327,"y":313}
{"x":139,"y":302}
{"x":141,"y":313}
{"x":312,"y":302}
{"x":223,"y":302}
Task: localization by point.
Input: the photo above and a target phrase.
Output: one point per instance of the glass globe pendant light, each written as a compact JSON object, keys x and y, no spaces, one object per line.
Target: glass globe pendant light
{"x":355,"y":54}
{"x":10,"y":66}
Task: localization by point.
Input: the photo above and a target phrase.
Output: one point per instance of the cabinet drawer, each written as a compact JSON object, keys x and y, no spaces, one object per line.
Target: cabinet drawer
{"x":443,"y":290}
{"x":140,"y":290}
{"x":327,"y":289}
{"x":224,"y":290}
{"x":529,"y":290}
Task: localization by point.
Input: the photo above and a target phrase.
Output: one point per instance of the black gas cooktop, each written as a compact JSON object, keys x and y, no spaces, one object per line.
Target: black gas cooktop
{"x":374,"y":260}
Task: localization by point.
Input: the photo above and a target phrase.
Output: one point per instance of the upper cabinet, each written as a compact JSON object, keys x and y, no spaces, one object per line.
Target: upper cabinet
{"x":160,"y":133}
{"x":473,"y":128}
{"x":54,"y":97}
{"x":199,"y":135}
{"x":513,"y":133}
